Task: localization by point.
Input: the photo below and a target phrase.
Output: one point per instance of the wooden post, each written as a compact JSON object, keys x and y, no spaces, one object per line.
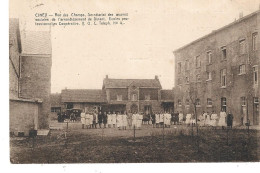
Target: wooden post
{"x":227,"y":135}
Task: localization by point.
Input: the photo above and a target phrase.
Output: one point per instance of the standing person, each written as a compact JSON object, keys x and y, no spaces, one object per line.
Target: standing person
{"x":134,"y":119}
{"x":214,"y":119}
{"x":140,"y":120}
{"x":161,"y":119}
{"x":124,"y":121}
{"x":201,"y":119}
{"x":157,"y":119}
{"x":208,"y":120}
{"x":188,"y":119}
{"x":180,"y":117}
{"x":83,"y":119}
{"x":94,"y":124}
{"x":230,"y":120}
{"x":100,"y":118}
{"x":129,"y":119}
{"x":168,"y":117}
{"x":119,"y":120}
{"x":153,"y":119}
{"x":222,"y":119}
{"x":91,"y":120}
{"x":109,"y":120}
{"x":105,"y":119}
{"x":165,"y":119}
{"x":114,"y":119}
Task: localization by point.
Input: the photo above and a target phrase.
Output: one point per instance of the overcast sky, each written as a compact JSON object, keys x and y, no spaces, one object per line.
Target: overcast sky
{"x":142,"y":48}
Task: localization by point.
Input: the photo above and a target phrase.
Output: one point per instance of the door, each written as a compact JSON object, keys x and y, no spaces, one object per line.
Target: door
{"x":134,"y":108}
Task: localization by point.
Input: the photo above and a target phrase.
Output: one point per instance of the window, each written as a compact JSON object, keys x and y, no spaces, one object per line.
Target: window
{"x":179,"y":67}
{"x":187,"y":65}
{"x":198,"y":77}
{"x":242,"y":69}
{"x":223,"y":78}
{"x":256,"y":100}
{"x":198,"y":63}
{"x":209,"y":57}
{"x":209,"y":76}
{"x":243,"y":101}
{"x":179,"y":81}
{"x":255,"y":71}
{"x":147,"y":97}
{"x":254,"y":41}
{"x":134,"y":97}
{"x":119,"y":98}
{"x":179,"y":102}
{"x":187,"y":102}
{"x":197,"y":102}
{"x":209,"y":102}
{"x":187,"y":79}
{"x":224,"y":52}
{"x":224,"y":104}
{"x":69,"y":105}
{"x":242,"y":47}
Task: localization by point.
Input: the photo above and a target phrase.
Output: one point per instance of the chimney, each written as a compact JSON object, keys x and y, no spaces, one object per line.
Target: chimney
{"x":240,"y":15}
{"x":156,"y":77}
{"x":106,"y":76}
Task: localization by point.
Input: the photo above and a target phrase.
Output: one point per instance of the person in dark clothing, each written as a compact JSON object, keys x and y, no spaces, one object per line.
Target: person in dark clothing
{"x":153,"y":119}
{"x":105,"y":119}
{"x":230,"y":120}
{"x":176,"y":118}
{"x":100,"y":117}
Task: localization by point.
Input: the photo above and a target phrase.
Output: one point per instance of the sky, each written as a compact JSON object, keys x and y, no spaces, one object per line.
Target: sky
{"x":142,"y":48}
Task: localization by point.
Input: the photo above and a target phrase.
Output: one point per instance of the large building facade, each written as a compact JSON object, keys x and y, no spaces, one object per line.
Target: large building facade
{"x":29,"y":78}
{"x":131,"y":95}
{"x":220,"y":71}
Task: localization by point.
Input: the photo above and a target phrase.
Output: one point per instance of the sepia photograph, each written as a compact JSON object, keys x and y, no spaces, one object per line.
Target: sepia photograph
{"x":174,"y":81}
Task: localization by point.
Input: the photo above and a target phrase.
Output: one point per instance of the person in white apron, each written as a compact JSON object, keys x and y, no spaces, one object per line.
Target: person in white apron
{"x":90,"y":120}
{"x":214,"y":119}
{"x":157,"y":119}
{"x":222,"y":119}
{"x":114,"y":119}
{"x":208,"y":120}
{"x":140,"y":120}
{"x":161,"y":120}
{"x":124,"y":121}
{"x":83,"y":119}
{"x":109,"y":120}
{"x":119,"y":119}
{"x":180,"y":117}
{"x":134,"y":120}
{"x":188,"y":119}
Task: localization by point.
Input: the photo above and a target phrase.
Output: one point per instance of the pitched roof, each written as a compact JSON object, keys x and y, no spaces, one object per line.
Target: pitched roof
{"x":167,"y":95}
{"x":82,"y":95}
{"x":55,"y":100}
{"x":36,"y":42}
{"x":120,"y":83}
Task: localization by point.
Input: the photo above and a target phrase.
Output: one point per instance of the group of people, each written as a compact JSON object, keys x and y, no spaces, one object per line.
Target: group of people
{"x":119,"y":120}
{"x":160,"y":119}
{"x":207,"y":119}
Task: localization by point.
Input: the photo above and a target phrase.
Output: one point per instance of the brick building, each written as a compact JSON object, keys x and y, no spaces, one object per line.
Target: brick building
{"x":144,"y":95}
{"x":220,"y":71}
{"x":29,"y":78}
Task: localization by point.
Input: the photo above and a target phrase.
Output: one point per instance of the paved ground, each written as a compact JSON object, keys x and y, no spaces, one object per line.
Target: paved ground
{"x":175,"y":144}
